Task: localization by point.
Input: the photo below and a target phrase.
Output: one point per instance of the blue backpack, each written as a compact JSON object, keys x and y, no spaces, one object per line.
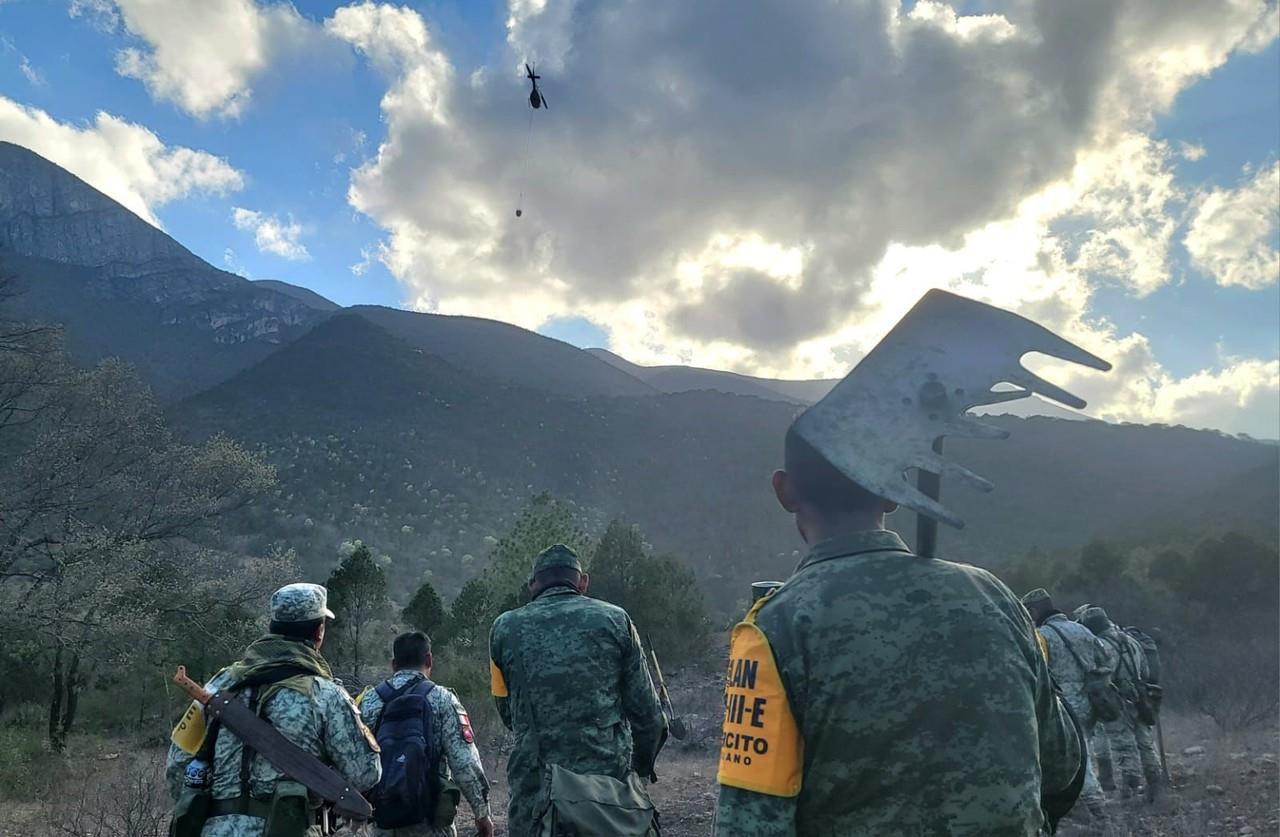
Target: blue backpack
{"x":410,"y":756}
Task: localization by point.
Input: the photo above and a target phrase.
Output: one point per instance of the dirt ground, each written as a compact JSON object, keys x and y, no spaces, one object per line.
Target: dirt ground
{"x":1222,"y":785}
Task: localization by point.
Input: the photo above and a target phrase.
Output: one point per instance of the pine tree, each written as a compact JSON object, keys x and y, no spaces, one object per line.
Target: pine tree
{"x":358,"y":598}
{"x":425,"y":611}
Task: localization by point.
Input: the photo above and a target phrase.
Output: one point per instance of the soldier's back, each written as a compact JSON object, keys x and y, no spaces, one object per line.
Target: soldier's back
{"x":915,"y":683}
{"x":561,"y":656}
{"x":307,"y":713}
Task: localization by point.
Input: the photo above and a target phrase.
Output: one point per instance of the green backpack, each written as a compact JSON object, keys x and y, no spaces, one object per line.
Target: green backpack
{"x":586,"y":805}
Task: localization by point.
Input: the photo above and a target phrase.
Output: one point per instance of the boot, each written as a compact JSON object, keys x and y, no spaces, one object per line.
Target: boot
{"x":1106,"y":777}
{"x":1155,"y":786}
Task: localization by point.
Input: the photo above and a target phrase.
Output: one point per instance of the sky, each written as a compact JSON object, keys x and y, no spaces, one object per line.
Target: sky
{"x":761,"y":187}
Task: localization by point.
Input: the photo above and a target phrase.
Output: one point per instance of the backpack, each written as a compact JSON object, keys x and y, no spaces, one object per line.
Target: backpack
{"x":410,"y":756}
{"x":1145,"y":700}
{"x":1103,"y":695}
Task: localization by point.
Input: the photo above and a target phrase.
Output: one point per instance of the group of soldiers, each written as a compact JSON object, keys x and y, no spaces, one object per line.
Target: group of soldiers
{"x":1089,"y":653}
{"x":874,"y":693}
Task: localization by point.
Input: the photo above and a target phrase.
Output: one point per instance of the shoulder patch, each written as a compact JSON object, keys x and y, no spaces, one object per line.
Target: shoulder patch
{"x":761,"y":750}
{"x":497,"y":683}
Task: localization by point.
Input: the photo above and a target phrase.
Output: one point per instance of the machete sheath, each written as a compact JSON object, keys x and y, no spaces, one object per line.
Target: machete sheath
{"x":283,"y":754}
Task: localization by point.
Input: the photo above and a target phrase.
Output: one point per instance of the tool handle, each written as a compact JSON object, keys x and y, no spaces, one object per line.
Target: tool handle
{"x":193,"y":689}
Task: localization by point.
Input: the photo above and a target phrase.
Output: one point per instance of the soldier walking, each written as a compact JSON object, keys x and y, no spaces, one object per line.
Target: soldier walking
{"x":1130,"y":740}
{"x":283,"y":677}
{"x":910,"y":695}
{"x":569,"y":679}
{"x":1075,"y":657}
{"x":451,"y":757}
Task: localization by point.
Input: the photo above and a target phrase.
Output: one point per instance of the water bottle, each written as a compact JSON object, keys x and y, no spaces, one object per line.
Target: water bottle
{"x":198,"y":774}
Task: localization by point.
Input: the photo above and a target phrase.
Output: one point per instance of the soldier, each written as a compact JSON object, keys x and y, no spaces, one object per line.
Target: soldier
{"x":569,"y":678}
{"x":289,"y":683}
{"x":459,"y":760}
{"x":877,"y":692}
{"x":1130,"y":741}
{"x":1075,"y":655}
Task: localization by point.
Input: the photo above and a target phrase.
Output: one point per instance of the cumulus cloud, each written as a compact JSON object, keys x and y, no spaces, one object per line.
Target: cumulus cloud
{"x":202,"y":55}
{"x":1235,"y":233}
{"x":124,"y":160}
{"x":271,"y":234}
{"x":768,"y":192}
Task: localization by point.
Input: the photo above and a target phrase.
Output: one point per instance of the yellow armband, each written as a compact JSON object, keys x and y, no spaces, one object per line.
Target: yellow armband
{"x":761,"y":750}
{"x":497,"y":683}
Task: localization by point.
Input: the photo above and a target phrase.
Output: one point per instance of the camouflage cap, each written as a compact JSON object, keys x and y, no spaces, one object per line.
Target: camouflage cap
{"x":556,"y":556}
{"x":1095,"y":619}
{"x":1036,"y":596}
{"x":300,"y":603}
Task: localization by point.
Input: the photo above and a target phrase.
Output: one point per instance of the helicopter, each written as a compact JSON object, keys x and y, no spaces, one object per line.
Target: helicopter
{"x":536,"y":99}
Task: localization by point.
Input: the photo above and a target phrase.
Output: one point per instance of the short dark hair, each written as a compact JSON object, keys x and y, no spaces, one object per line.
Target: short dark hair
{"x":819,"y":483}
{"x":411,"y":650}
{"x":552,"y":576}
{"x":297,"y":631}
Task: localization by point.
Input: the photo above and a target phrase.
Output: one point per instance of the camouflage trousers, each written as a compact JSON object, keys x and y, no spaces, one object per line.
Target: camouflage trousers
{"x":1091,"y":794}
{"x":1130,"y":746}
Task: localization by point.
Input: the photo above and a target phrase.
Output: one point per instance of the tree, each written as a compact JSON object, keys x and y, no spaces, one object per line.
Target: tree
{"x":358,"y":599}
{"x":544,"y":522}
{"x":101,"y":511}
{"x":425,"y":611}
{"x":659,"y":592}
{"x":469,"y":617}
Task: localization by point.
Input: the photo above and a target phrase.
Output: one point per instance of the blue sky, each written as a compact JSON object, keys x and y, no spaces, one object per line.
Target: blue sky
{"x":317,"y":114}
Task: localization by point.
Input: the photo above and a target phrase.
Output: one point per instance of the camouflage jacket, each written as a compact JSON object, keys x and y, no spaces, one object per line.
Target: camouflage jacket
{"x":1069,"y":674}
{"x":1126,"y":658}
{"x":322,"y":719}
{"x":569,"y":679}
{"x":459,"y":758}
{"x":920,"y":698}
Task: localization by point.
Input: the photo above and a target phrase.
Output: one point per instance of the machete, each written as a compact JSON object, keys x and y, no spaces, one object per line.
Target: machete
{"x":284,"y":755}
{"x":674,"y":722}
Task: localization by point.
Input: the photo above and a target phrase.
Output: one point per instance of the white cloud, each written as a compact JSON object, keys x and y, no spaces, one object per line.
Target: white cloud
{"x":1234,"y":233}
{"x":202,"y":55}
{"x":30,"y":73}
{"x":101,"y":14}
{"x":271,"y":234}
{"x":767,"y":192}
{"x":124,"y":160}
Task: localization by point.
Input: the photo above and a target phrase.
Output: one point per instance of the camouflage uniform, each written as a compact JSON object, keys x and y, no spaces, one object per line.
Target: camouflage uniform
{"x":460,"y":760}
{"x":1129,"y":742}
{"x":1057,"y":630}
{"x":570,"y":680}
{"x":922,"y":700}
{"x":312,"y":711}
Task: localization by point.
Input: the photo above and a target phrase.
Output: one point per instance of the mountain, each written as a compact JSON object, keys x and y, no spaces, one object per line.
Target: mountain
{"x":379,"y":439}
{"x":689,"y":378}
{"x":505,"y":352}
{"x":306,"y":296}
{"x":124,"y":288}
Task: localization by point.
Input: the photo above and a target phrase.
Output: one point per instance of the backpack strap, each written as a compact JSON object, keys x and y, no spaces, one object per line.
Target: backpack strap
{"x":1084,"y":669}
{"x":389,"y":693}
{"x":209,"y":747}
{"x":1126,"y":659}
